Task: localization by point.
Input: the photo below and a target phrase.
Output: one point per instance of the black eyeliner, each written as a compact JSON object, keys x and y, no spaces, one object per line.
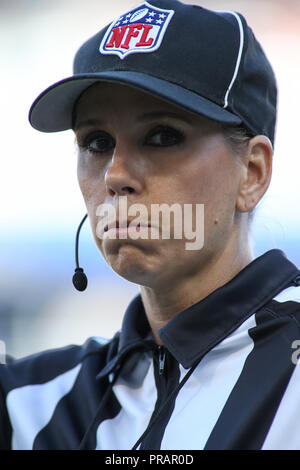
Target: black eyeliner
{"x":162,"y":128}
{"x":96,"y":135}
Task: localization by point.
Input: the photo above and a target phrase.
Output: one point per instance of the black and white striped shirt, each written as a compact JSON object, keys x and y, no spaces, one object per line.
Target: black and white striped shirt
{"x":226,"y":377}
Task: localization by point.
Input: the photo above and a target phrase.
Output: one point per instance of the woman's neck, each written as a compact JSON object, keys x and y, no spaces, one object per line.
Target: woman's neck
{"x":176,"y":295}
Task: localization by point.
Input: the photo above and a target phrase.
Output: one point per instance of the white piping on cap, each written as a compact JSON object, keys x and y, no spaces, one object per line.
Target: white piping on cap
{"x":239,"y":56}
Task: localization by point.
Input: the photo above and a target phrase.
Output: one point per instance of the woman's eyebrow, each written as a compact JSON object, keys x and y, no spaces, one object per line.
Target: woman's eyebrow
{"x":87,"y":122}
{"x":163,"y":114}
{"x":142,"y":118}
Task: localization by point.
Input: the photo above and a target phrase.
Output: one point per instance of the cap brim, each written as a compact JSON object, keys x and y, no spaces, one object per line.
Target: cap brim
{"x":52,"y":111}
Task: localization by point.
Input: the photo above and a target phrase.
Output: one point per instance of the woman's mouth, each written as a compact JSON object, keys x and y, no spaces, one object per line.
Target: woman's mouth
{"x":128,"y":229}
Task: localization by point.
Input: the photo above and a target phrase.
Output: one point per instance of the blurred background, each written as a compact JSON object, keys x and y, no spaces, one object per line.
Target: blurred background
{"x":41,"y":205}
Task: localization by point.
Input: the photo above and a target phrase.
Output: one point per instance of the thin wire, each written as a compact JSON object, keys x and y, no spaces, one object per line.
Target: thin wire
{"x":98,"y":411}
{"x":171,"y":396}
{"x":77,"y":238}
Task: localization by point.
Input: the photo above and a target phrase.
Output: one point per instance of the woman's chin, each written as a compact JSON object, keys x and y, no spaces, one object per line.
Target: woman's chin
{"x":132,"y":264}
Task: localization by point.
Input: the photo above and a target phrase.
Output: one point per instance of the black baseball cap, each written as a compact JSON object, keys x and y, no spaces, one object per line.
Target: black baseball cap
{"x":205,"y":61}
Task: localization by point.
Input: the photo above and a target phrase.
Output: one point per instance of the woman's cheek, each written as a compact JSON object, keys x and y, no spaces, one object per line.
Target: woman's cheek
{"x":91,"y":179}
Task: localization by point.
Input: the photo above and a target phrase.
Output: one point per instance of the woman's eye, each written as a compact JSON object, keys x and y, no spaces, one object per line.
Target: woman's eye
{"x":164,"y":136}
{"x":99,"y":143}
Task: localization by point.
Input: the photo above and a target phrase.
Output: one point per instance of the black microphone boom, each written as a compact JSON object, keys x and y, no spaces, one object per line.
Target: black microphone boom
{"x":79,"y":278}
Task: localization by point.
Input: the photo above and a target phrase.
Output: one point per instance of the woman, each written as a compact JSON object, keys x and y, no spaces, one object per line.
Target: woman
{"x":173,"y":107}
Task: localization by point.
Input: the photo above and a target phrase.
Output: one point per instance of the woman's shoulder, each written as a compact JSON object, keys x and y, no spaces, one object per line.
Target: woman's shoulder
{"x":45,"y":366}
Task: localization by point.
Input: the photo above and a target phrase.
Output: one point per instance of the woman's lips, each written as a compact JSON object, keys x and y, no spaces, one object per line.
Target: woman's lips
{"x":115,"y":231}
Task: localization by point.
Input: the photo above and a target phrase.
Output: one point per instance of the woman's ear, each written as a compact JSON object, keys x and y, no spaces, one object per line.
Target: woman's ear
{"x":256,"y":174}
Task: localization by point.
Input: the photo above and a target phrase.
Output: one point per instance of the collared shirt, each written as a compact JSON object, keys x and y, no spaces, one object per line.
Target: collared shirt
{"x":226,"y":376}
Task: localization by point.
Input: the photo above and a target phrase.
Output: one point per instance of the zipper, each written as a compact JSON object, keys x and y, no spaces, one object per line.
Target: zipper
{"x":161,"y":359}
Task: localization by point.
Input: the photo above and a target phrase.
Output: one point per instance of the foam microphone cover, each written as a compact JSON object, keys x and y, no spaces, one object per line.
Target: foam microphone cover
{"x":79,"y":279}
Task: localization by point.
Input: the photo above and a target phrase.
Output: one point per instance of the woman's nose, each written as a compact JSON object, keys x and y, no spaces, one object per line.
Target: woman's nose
{"x":122,"y":176}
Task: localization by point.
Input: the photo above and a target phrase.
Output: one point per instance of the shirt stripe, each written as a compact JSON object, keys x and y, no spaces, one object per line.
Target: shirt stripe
{"x":290,"y":294}
{"x":284,"y":432}
{"x":250,"y":409}
{"x":137,"y":404}
{"x":203,"y":397}
{"x":31,"y":407}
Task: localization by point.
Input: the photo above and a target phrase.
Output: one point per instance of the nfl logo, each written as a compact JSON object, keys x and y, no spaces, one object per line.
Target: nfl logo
{"x":139,"y":30}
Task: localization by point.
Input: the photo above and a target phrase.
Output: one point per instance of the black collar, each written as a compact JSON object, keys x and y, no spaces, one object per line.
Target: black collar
{"x":196,"y":330}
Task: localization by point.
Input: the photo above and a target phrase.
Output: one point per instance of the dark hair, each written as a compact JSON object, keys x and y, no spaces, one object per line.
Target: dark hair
{"x":238,"y":137}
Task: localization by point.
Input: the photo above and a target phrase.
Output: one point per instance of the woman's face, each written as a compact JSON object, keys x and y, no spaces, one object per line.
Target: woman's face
{"x":133,"y":145}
